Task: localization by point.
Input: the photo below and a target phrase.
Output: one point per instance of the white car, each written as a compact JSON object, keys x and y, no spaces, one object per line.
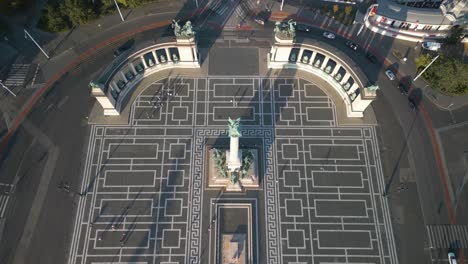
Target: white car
{"x":329,"y":35}
{"x":390,"y":74}
{"x":434,"y":46}
{"x":452,"y":258}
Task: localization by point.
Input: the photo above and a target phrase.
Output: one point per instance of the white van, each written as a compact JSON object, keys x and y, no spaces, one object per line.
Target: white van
{"x":435,"y":46}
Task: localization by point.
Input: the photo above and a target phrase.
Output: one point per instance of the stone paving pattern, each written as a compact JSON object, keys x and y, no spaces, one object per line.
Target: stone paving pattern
{"x":144,"y":183}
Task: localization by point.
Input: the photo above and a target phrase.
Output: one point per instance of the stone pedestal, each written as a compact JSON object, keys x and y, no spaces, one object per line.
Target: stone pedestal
{"x":233,"y":249}
{"x":363,"y":100}
{"x":187,"y":49}
{"x":215,"y":180}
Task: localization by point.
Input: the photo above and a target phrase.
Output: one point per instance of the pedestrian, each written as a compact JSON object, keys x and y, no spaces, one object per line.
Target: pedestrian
{"x":113,"y":228}
{"x":99,"y":238}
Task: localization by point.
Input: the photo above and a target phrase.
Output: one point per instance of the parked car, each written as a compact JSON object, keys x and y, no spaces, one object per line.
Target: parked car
{"x":303,"y":28}
{"x":329,"y":35}
{"x":371,"y":58}
{"x":402,"y":88}
{"x":452,"y":258}
{"x":429,"y":45}
{"x":390,"y":74}
{"x":262,"y":17}
{"x":351,"y":45}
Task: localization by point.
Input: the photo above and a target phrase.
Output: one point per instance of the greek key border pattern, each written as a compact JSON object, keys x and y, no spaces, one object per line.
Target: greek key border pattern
{"x":197,"y":191}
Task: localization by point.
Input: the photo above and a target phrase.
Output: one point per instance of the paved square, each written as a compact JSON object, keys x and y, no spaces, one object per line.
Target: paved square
{"x":146,"y":198}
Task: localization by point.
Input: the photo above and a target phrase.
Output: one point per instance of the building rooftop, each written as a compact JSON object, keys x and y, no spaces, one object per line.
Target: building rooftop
{"x":428,"y":16}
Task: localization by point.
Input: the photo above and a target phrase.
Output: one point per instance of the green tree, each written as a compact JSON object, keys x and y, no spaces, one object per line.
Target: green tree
{"x":77,"y":12}
{"x":448,"y":75}
{"x":456,"y":35}
{"x":422,"y":60}
{"x":53,"y":20}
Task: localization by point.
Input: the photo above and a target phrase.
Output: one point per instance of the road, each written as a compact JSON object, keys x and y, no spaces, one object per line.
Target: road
{"x":64,"y":124}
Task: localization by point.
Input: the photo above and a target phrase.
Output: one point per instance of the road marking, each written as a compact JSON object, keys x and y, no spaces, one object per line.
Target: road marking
{"x":17,"y":75}
{"x":3,"y":204}
{"x":35,"y":211}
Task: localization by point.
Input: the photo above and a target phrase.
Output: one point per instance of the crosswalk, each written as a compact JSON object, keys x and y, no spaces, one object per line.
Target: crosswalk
{"x":4,"y":198}
{"x":17,"y":75}
{"x":220,"y":7}
{"x":447,"y":236}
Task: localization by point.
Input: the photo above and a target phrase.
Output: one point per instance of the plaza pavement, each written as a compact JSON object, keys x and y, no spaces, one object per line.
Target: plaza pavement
{"x":321,"y":182}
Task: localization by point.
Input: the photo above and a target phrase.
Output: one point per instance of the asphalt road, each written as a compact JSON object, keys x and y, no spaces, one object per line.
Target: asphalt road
{"x":65,"y":126}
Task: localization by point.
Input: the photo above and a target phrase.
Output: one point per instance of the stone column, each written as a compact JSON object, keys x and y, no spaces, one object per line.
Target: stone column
{"x":144,"y":62}
{"x":324,"y":63}
{"x":345,"y":78}
{"x":133,"y":68}
{"x":335,"y":70}
{"x":312,"y":58}
{"x":234,"y":161}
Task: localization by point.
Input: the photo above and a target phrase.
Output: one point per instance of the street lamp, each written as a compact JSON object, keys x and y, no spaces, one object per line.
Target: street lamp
{"x":6,"y":88}
{"x":119,"y":11}
{"x":29,"y":35}
{"x":415,"y":78}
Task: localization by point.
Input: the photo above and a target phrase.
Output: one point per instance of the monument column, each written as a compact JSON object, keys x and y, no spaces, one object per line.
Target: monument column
{"x":234,"y":162}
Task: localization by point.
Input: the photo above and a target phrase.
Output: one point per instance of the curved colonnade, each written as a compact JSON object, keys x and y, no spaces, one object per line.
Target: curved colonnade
{"x":119,"y":78}
{"x":329,"y":64}
{"x":324,"y":61}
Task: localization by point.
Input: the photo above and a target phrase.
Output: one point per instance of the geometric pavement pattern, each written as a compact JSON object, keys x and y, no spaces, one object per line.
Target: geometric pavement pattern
{"x":143,"y":184}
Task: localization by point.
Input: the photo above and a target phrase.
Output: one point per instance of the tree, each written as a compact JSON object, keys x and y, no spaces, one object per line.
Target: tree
{"x":456,"y":35}
{"x":422,"y":61}
{"x":53,"y":20}
{"x":78,"y":13}
{"x":446,"y":74}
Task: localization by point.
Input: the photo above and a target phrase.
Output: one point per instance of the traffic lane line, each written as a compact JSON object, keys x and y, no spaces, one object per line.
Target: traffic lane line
{"x":30,"y":104}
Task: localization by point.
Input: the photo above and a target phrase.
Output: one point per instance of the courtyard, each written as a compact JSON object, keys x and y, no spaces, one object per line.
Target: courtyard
{"x":145,"y":197}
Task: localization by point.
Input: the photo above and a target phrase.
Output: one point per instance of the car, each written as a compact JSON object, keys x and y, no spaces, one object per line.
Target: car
{"x":412,"y":102}
{"x":351,"y":45}
{"x":303,"y":28}
{"x":390,"y":74}
{"x":429,"y":45}
{"x":126,"y":46}
{"x":402,"y":88}
{"x":452,"y":258}
{"x":371,"y":58}
{"x":328,"y":35}
{"x":262,"y":17}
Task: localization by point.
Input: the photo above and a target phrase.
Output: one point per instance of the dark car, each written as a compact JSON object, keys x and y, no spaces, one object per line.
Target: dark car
{"x":351,"y":45}
{"x":303,"y":28}
{"x":371,"y":58}
{"x":402,"y":88}
{"x":262,"y":17}
{"x":412,"y":103}
{"x":126,"y":46}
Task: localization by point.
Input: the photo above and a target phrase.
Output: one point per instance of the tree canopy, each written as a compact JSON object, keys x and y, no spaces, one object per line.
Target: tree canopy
{"x":446,"y":74}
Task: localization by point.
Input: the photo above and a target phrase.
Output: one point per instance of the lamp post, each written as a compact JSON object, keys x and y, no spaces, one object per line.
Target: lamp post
{"x":6,"y":88}
{"x":28,"y":35}
{"x":415,"y":78}
{"x":120,"y":13}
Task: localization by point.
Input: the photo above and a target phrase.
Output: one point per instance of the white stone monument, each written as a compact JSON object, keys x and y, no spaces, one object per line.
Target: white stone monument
{"x":235,"y":158}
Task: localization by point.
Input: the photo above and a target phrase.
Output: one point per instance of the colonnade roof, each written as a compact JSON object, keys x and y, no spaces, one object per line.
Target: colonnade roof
{"x":335,"y":54}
